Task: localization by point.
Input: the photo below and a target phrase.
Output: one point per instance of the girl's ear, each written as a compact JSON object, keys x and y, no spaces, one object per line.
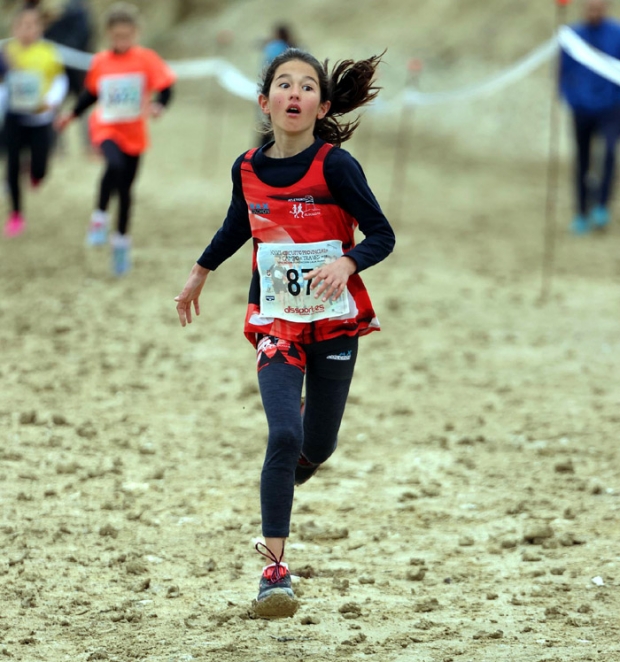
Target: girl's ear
{"x":323,"y":109}
{"x":263,"y":102}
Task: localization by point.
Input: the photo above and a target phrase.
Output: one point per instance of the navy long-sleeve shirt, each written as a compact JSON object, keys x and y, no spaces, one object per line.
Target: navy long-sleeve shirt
{"x":583,"y":89}
{"x":347,"y":184}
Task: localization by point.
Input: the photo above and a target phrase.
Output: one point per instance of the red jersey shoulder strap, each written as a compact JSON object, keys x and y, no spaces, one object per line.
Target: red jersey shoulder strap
{"x":315,"y":174}
{"x":323,"y":152}
{"x":246,"y":163}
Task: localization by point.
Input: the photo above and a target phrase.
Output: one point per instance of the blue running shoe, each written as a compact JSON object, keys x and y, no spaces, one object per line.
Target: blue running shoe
{"x":580,"y":225}
{"x":275,"y":593}
{"x":98,"y":229}
{"x":121,"y":254}
{"x":599,"y":217}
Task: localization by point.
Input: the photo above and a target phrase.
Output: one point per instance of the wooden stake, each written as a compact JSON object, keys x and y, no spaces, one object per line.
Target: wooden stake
{"x":548,"y":258}
{"x":401,"y":152}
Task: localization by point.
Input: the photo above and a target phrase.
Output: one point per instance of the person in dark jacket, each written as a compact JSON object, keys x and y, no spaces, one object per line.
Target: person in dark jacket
{"x":73,"y":28}
{"x":595,"y":105}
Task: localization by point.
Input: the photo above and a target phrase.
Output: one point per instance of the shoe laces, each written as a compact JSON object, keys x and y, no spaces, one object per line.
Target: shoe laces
{"x":279,"y":569}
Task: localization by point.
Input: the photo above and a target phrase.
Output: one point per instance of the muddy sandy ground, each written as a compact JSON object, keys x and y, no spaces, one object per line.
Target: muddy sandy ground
{"x":471,"y":511}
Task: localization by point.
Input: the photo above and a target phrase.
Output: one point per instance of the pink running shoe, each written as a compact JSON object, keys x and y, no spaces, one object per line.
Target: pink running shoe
{"x":14,"y":225}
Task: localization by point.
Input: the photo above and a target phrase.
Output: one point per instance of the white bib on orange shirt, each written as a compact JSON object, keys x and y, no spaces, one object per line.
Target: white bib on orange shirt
{"x":121,"y":97}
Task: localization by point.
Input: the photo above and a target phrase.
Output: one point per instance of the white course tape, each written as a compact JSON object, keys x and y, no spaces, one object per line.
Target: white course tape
{"x":599,"y":62}
{"x":596,"y":60}
{"x":519,"y":70}
{"x":229,"y":77}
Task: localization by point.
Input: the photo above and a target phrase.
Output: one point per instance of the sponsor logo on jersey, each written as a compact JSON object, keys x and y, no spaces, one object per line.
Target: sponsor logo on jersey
{"x":259,"y":208}
{"x":304,"y":207}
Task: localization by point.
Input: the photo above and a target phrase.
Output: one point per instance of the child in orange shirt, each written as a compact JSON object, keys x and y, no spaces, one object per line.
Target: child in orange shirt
{"x":122,"y":80}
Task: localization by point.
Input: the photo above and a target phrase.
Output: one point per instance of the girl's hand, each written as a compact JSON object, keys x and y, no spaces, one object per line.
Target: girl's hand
{"x":62,"y":121}
{"x":330,"y":280}
{"x":156,"y":109}
{"x":190,"y":294}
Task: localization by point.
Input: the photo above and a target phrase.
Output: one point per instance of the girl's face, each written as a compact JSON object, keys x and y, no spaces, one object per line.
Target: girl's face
{"x":122,"y":36}
{"x":294,"y":102}
{"x":28,"y":28}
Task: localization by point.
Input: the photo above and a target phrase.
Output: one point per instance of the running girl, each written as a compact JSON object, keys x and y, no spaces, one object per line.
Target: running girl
{"x":123,"y":81}
{"x":300,"y":198}
{"x":36,"y":85}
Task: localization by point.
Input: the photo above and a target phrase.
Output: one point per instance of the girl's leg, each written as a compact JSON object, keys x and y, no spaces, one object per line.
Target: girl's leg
{"x":125,"y":182}
{"x":328,"y":378}
{"x":109,"y":181}
{"x":280,"y":377}
{"x":40,"y":139}
{"x":281,"y":384}
{"x":14,"y":143}
{"x":324,"y":408}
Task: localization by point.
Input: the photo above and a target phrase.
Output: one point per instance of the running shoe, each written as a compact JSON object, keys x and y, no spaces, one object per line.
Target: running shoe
{"x":98,"y":228}
{"x":121,"y":254}
{"x":599,"y":217}
{"x":275,"y":593}
{"x":304,"y":470}
{"x":580,"y":225}
{"x":15,"y":225}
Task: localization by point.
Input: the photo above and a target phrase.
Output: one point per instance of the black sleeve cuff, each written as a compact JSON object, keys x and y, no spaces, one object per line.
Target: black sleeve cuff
{"x":165,"y":96}
{"x":85,"y":101}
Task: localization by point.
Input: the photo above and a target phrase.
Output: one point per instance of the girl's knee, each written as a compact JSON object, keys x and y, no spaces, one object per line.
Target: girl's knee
{"x":284,"y":445}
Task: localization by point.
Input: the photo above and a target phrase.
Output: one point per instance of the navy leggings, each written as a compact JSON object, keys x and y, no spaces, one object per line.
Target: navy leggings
{"x":587,"y":125}
{"x":328,"y":373}
{"x":118,"y":178}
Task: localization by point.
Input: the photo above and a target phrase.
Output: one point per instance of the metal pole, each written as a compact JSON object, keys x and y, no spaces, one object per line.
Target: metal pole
{"x":549,"y":233}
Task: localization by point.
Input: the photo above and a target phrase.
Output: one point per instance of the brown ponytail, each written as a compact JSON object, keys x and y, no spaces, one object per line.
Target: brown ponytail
{"x":348,"y":86}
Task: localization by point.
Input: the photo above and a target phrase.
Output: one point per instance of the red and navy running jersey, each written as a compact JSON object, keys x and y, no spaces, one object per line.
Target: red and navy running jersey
{"x":303,"y":212}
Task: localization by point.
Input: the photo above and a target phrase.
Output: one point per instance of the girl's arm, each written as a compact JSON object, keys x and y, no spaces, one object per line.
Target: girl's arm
{"x":84,"y":102}
{"x":57,"y":92}
{"x":161,"y":101}
{"x":235,"y":231}
{"x":347,"y":183}
{"x":191,"y":294}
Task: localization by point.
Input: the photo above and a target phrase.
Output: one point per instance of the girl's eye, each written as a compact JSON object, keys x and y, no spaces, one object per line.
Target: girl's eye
{"x":284,"y":85}
{"x":308,"y":88}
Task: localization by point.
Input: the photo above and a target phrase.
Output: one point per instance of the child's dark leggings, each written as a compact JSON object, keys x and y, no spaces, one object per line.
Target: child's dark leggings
{"x":38,"y":140}
{"x":587,"y":125}
{"x":118,"y":178}
{"x":328,"y":369}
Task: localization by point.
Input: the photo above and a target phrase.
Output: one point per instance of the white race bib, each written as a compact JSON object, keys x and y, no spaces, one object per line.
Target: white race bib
{"x":25,"y":91}
{"x":120,"y":97}
{"x":284,"y":292}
